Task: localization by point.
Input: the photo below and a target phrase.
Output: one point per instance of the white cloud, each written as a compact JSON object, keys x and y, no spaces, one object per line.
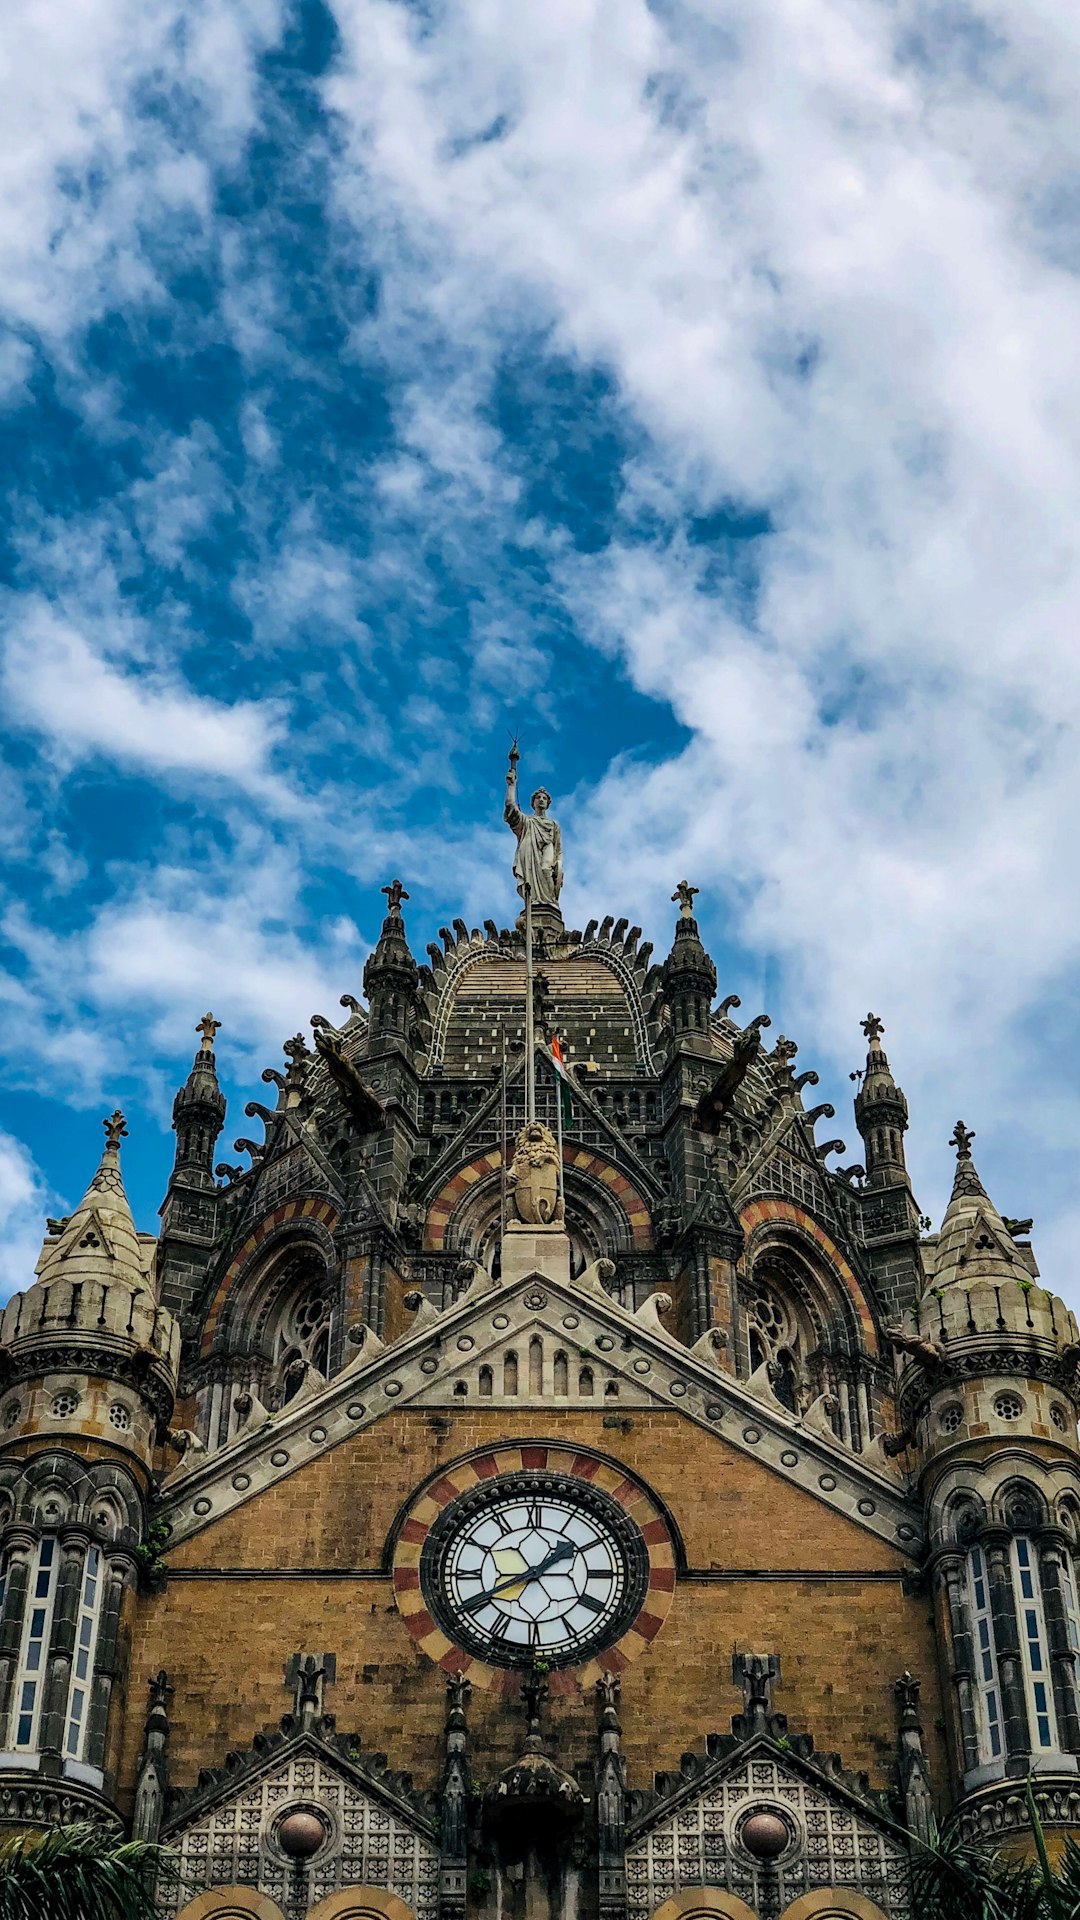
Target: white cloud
{"x":140,"y":714}
{"x":25,"y":1198}
{"x":823,"y":247}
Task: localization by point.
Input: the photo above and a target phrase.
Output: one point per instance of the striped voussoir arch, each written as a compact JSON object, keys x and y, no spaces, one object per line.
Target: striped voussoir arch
{"x":315,"y":1207}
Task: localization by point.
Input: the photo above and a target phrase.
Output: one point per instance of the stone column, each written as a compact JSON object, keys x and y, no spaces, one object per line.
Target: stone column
{"x":117,"y":1574}
{"x":20,"y":1547}
{"x":56,"y":1684}
{"x":995,"y":1543}
{"x":952,"y":1591}
{"x":1051,"y":1547}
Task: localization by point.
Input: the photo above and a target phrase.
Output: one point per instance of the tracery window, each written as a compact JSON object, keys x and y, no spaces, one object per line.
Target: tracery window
{"x":304,"y":1335}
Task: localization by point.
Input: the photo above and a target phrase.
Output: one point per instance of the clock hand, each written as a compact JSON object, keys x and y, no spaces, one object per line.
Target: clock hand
{"x":564,"y":1551}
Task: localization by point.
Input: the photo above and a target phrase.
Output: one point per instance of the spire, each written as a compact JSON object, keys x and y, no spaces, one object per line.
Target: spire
{"x":98,"y":1241}
{"x":974,"y":1243}
{"x":199,"y":1112}
{"x":390,"y":976}
{"x":689,"y":974}
{"x":881,"y":1112}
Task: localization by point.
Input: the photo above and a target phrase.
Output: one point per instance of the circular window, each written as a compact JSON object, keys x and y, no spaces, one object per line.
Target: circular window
{"x":1008,"y":1406}
{"x":64,"y":1404}
{"x":119,"y":1417}
{"x":952,"y":1417}
{"x":1059,"y":1417}
{"x":12,"y":1413}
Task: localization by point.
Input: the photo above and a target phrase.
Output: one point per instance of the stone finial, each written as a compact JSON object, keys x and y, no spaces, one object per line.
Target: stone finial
{"x":208,"y":1027}
{"x":961,"y":1138}
{"x":115,"y":1130}
{"x":309,"y":1675}
{"x":755,"y":1673}
{"x":534,"y":1691}
{"x":395,"y":894}
{"x":685,"y":894}
{"x":873,"y":1028}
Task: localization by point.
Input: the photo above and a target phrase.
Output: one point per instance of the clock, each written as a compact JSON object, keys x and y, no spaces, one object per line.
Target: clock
{"x":533,"y":1554}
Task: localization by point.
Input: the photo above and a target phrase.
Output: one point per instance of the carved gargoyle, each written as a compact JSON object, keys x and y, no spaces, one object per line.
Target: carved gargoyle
{"x":930,"y":1352}
{"x":715,"y":1103}
{"x":368,"y":1113}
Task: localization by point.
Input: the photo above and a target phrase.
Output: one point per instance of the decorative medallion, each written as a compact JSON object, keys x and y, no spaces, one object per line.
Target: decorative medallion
{"x":534,"y":1553}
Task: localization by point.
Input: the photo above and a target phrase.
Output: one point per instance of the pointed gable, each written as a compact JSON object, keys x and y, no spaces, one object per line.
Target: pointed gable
{"x":379,"y":1832}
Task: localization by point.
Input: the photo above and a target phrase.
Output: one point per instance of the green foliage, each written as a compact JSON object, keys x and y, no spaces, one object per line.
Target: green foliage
{"x":954,"y":1880}
{"x":78,"y":1873}
{"x":479,"y":1885}
{"x":151,"y":1555}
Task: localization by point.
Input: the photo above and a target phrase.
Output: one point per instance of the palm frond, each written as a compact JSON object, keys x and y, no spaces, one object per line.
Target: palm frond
{"x":78,"y":1873}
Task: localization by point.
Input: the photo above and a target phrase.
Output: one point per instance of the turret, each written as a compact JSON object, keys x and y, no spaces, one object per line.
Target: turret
{"x":189,"y":1213}
{"x":89,"y":1362}
{"x":890,"y":1216}
{"x":881,"y":1113}
{"x":689,"y":975}
{"x":199,"y":1114}
{"x":391,"y":977}
{"x":988,"y":1393}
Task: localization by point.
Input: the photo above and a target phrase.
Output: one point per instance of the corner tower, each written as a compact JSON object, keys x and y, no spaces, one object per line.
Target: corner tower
{"x":989,"y":1395}
{"x":90,"y":1363}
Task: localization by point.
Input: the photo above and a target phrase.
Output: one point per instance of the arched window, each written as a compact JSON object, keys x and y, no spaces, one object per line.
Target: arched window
{"x":304,"y":1335}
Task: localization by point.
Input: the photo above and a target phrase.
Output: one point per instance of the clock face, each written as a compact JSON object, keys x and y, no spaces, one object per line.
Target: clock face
{"x":534,"y":1568}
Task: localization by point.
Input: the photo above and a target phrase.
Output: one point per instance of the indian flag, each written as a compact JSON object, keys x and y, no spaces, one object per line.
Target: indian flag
{"x":566,"y":1085}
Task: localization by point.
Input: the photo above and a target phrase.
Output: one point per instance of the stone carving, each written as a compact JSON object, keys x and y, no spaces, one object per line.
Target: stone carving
{"x":698,"y":1844}
{"x":538,"y":862}
{"x":534,"y":1177}
{"x":375,"y":1844}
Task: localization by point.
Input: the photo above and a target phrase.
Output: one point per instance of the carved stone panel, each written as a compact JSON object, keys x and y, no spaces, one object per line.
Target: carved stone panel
{"x":831,"y":1845}
{"x":368,"y":1844}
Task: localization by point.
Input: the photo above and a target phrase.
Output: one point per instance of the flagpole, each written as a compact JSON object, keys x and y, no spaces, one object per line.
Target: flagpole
{"x":558,"y":1133}
{"x":530,"y":1037}
{"x":502,"y":1155}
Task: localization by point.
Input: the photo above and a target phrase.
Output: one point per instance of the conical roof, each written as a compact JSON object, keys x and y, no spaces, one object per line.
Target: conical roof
{"x":98,"y":1241}
{"x":974,"y":1244}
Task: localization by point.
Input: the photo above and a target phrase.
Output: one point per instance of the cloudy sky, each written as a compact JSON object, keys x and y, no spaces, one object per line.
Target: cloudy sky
{"x":691,"y":385}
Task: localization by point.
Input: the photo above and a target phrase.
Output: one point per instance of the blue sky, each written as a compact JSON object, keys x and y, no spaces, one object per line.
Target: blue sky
{"x":692,"y":386}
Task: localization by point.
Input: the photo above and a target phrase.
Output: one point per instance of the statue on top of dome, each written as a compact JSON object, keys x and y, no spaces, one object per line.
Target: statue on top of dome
{"x":538,"y":863}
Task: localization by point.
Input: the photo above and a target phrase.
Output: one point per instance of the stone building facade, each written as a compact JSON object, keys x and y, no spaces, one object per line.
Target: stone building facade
{"x":432,"y":1524}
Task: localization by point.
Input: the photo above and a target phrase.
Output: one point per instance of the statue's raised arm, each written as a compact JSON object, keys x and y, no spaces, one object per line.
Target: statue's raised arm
{"x":538,"y":863}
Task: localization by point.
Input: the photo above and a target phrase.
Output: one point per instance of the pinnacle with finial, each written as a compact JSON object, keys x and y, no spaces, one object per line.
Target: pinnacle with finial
{"x":115,"y":1129}
{"x":961,"y":1138}
{"x":208,"y":1027}
{"x":395,"y":894}
{"x":872,"y":1027}
{"x":685,"y":894}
